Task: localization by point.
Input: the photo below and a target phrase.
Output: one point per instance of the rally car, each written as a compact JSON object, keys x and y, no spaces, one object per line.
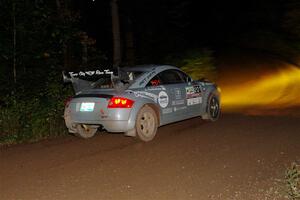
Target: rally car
{"x":137,"y":100}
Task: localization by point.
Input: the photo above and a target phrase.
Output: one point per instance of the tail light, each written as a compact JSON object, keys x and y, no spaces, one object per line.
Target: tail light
{"x":67,"y":101}
{"x":120,"y":102}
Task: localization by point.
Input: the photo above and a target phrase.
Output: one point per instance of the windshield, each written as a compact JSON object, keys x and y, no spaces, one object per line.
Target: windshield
{"x":106,"y":79}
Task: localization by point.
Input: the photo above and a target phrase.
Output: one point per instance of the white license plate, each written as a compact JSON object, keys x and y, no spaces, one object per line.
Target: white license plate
{"x":87,"y":107}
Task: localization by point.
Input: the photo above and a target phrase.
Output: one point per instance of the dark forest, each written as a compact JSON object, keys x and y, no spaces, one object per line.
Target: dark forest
{"x":39,"y":39}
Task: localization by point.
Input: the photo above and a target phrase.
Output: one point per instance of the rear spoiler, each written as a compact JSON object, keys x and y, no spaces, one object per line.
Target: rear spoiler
{"x":81,"y":80}
{"x":69,"y":76}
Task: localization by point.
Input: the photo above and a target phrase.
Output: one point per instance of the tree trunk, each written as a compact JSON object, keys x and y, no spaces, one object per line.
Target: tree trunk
{"x":14,"y":42}
{"x":130,"y":58}
{"x":60,"y":4}
{"x":116,"y":33}
{"x":84,"y":56}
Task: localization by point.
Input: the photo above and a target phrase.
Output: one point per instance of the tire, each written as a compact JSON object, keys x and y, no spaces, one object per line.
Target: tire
{"x":85,"y":131}
{"x":213,"y":110}
{"x":146,"y":124}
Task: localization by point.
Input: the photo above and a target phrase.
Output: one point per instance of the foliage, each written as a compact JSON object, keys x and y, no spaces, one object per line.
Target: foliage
{"x":41,"y":39}
{"x":45,"y":36}
{"x":167,"y":34}
{"x":33,"y":117}
{"x":270,"y":42}
{"x":292,"y":178}
{"x":291,"y":25}
{"x":197,"y":63}
{"x":291,"y":20}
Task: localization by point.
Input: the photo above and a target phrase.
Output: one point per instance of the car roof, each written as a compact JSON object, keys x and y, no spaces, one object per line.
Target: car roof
{"x":149,"y":67}
{"x":149,"y":72}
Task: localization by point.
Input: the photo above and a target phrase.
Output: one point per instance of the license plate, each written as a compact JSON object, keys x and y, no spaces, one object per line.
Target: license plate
{"x":87,"y":107}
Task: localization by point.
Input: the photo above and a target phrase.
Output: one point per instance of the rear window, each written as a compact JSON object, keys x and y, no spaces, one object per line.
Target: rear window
{"x":124,"y":78}
{"x":103,"y":79}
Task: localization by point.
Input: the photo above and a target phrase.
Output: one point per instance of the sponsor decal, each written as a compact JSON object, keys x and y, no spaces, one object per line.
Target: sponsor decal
{"x":155,"y":88}
{"x":90,"y":73}
{"x":103,"y":114}
{"x":177,"y":92}
{"x":192,"y":92}
{"x":147,"y":78}
{"x":178,"y":102}
{"x":179,"y":108}
{"x":167,"y":110}
{"x":146,"y":95}
{"x":189,"y":90}
{"x":102,"y":111}
{"x":163,"y":99}
{"x":193,"y":101}
{"x":197,"y":89}
{"x":193,"y":95}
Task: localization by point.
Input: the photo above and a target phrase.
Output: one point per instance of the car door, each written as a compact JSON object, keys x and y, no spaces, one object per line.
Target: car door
{"x":193,"y":96}
{"x":170,"y":90}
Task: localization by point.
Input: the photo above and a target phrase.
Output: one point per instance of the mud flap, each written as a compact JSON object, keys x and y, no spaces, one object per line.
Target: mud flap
{"x":131,"y":133}
{"x":68,"y":122}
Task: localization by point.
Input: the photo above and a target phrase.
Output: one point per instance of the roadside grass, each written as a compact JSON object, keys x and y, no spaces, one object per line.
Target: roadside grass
{"x":292,"y":181}
{"x":287,"y":186}
{"x":32,"y":132}
{"x":29,"y":115}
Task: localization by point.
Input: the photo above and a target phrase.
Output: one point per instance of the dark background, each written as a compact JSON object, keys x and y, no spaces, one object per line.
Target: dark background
{"x":40,"y":39}
{"x":170,"y":26}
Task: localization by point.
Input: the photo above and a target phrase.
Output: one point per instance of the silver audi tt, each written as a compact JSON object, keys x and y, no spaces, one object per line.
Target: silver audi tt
{"x":137,"y":100}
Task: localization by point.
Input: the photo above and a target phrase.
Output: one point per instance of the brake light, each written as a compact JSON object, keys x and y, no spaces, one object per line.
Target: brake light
{"x":120,"y":102}
{"x":67,"y":101}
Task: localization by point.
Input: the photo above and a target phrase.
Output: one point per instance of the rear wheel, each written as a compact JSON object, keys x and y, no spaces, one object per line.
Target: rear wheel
{"x":146,"y":124}
{"x":85,"y":131}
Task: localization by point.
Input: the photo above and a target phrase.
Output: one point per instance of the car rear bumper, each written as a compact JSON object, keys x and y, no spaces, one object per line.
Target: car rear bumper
{"x":113,"y":123}
{"x":109,"y":125}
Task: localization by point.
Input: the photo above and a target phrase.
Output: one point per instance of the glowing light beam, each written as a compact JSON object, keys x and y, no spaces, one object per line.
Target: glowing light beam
{"x":280,"y":89}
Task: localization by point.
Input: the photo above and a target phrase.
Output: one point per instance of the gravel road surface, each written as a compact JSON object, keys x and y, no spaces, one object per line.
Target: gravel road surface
{"x":238,"y":157}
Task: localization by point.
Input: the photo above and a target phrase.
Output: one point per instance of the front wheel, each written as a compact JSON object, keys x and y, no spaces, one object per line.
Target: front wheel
{"x":85,"y":131}
{"x":213,"y":109}
{"x":146,"y":124}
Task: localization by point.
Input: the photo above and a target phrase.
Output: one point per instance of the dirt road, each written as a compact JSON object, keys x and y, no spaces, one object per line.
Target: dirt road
{"x":237,"y":157}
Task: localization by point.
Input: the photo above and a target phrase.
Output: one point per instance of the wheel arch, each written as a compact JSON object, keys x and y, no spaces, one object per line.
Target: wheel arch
{"x":134,"y":113}
{"x":156,"y":109}
{"x":209,"y":94}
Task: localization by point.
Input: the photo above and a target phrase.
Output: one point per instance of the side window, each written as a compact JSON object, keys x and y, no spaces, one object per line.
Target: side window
{"x":168,"y":77}
{"x":184,"y":76}
{"x":171,"y":77}
{"x":155,"y":81}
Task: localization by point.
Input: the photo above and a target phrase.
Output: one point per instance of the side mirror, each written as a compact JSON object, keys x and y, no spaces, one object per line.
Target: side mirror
{"x":189,"y":79}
